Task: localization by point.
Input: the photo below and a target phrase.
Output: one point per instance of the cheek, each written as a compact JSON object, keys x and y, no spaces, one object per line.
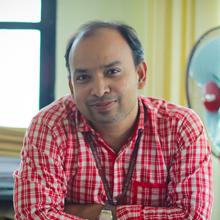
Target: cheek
{"x":80,"y":95}
{"x":127,"y":91}
{"x":129,"y":85}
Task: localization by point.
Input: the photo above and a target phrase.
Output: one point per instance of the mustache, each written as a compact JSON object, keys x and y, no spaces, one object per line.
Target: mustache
{"x":97,"y":100}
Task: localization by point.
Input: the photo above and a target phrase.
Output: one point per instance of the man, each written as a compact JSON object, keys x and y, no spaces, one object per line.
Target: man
{"x":103,"y":152}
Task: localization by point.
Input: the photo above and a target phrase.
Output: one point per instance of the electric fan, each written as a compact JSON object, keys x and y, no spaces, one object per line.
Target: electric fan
{"x":203,"y":84}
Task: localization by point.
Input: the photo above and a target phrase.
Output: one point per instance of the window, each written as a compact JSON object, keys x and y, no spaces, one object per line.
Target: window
{"x":20,"y":11}
{"x":27,"y":59}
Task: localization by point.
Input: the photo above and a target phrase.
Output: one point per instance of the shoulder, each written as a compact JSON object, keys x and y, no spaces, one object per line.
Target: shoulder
{"x":56,"y":113}
{"x":173,"y":123}
{"x":164,"y":113}
{"x":167,"y":110}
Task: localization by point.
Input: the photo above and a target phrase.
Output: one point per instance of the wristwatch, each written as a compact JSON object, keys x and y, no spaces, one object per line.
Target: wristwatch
{"x":106,"y":213}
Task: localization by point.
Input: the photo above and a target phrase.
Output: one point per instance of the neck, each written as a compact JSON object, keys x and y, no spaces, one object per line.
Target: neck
{"x":116,"y":134}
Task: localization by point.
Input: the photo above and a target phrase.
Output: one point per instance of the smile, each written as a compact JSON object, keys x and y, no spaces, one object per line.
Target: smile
{"x":103,"y":106}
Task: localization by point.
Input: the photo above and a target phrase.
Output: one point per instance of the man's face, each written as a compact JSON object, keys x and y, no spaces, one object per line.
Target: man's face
{"x":104,"y":78}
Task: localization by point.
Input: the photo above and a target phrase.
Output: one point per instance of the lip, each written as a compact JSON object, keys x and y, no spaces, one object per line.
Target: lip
{"x":103,"y":106}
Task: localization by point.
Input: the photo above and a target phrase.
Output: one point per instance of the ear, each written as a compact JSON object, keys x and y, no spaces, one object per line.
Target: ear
{"x":71,"y":86}
{"x":142,"y":74}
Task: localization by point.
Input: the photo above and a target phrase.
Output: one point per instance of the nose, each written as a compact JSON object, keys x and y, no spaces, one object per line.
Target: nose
{"x":100,"y":86}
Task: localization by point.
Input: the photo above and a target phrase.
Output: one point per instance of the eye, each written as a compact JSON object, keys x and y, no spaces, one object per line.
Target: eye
{"x":112,"y":71}
{"x":82,"y":78}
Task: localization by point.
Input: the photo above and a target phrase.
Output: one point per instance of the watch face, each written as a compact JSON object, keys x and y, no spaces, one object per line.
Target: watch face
{"x":105,"y":215}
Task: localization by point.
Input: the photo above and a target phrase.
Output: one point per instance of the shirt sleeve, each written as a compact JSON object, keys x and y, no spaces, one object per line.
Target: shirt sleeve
{"x":40,"y":183}
{"x":190,"y":179}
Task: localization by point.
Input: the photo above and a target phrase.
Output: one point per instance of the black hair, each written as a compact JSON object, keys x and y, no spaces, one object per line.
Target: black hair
{"x":127,"y":32}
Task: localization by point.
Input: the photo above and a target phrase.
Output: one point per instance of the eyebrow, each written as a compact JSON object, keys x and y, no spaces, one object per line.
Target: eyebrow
{"x":111,"y":64}
{"x":79,"y":70}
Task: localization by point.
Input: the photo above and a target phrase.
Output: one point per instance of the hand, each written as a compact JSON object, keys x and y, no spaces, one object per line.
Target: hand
{"x":86,"y":211}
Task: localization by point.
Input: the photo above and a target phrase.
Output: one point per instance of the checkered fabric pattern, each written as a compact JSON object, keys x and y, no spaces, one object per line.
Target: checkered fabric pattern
{"x":171,"y":179}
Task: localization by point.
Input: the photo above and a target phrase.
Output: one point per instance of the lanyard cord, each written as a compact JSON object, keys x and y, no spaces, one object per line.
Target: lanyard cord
{"x":127,"y":179}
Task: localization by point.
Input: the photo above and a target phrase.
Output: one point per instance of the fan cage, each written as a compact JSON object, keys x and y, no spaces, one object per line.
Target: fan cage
{"x":202,"y":40}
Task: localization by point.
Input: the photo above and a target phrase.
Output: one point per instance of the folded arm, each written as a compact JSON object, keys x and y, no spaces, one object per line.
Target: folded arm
{"x":40,"y":183}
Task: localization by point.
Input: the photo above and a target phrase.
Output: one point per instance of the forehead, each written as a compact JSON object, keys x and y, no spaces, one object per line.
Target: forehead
{"x":101,"y":45}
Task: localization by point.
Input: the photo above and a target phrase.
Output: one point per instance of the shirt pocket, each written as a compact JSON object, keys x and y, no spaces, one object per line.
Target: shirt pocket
{"x":149,"y":194}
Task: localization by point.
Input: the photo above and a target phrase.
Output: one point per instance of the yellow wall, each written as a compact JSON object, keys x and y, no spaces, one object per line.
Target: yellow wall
{"x":167,"y":28}
{"x":72,"y":13}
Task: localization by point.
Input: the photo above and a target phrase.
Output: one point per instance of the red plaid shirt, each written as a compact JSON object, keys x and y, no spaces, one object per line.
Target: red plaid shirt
{"x":171,"y":179}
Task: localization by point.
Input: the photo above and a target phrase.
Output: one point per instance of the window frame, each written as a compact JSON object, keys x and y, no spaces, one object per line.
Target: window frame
{"x":47,"y":28}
